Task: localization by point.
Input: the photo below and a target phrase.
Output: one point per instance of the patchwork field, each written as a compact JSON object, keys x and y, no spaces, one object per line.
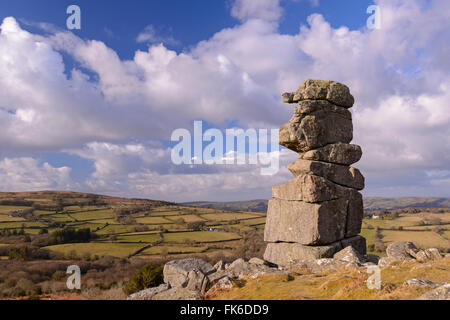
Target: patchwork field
{"x":124,"y":226}
{"x":121,"y":227}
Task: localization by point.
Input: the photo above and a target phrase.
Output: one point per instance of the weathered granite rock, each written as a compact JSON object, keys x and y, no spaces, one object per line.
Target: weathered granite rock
{"x":309,"y":188}
{"x":284,"y":254}
{"x":313,"y":189}
{"x":401,"y":250}
{"x":349,"y":254}
{"x":314,"y":125}
{"x":428,"y":254}
{"x":343,"y":175}
{"x":338,"y":153}
{"x":320,"y":211}
{"x":220,"y":265}
{"x":355,"y":214}
{"x":241,"y":268}
{"x":325,"y":264}
{"x":148,"y":294}
{"x":176,"y":272}
{"x":197,"y":280}
{"x":440,"y":293}
{"x":423,"y":283}
{"x":386,"y":261}
{"x":306,"y":223}
{"x":223,"y":283}
{"x":178,"y":293}
{"x":373,"y":258}
{"x":257,"y":261}
{"x":332,"y":91}
{"x":357,"y":242}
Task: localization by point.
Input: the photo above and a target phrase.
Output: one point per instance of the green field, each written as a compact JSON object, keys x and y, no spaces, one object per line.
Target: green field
{"x":175,"y":223}
{"x":92,"y":215}
{"x":137,"y":238}
{"x":153,"y":220}
{"x":199,"y":236}
{"x":158,"y":250}
{"x":96,"y":248}
{"x":422,"y":239}
{"x":228,"y":216}
{"x":6,"y":218}
{"x":8,"y":209}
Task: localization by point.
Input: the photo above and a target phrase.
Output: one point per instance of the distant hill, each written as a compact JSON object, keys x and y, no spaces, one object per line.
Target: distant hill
{"x":249,"y":206}
{"x":380,"y":203}
{"x":370,"y":204}
{"x":71,"y":198}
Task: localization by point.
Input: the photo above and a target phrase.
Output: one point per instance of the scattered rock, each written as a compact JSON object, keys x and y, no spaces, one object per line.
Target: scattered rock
{"x":401,"y":250}
{"x":148,"y":294}
{"x":423,"y":283}
{"x":428,"y":254}
{"x":325,"y":264}
{"x":349,"y":254}
{"x":219,"y":266}
{"x":386,"y":261}
{"x":224,"y":283}
{"x":241,"y":268}
{"x":176,"y":272}
{"x":440,"y":293}
{"x":257,"y":261}
{"x":178,"y":293}
{"x":197,"y":280}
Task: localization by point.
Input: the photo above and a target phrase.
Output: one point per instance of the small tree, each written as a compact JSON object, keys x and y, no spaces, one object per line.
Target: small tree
{"x":150,"y":275}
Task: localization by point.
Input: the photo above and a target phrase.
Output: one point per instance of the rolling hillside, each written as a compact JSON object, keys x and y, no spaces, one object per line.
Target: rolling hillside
{"x":370,"y":204}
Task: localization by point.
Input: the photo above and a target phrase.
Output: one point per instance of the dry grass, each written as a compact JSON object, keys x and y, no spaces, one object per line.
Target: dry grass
{"x":340,"y":284}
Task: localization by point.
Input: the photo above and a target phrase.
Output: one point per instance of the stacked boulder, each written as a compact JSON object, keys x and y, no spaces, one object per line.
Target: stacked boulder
{"x":319,"y":212}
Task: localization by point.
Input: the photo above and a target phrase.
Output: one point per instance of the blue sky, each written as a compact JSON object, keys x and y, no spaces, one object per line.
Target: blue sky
{"x":93,"y":109}
{"x":117,"y":23}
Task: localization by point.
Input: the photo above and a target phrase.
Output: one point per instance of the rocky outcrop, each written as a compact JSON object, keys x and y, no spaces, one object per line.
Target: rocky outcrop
{"x":401,"y":250}
{"x":319,"y":212}
{"x":190,"y":279}
{"x":191,"y":271}
{"x":407,"y":251}
{"x":194,"y":279}
{"x":148,"y":294}
{"x":440,"y":293}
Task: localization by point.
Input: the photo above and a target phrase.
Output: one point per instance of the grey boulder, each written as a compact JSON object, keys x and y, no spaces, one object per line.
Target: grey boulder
{"x":177,"y":272}
{"x":332,"y":91}
{"x":342,"y":175}
{"x":339,"y":153}
{"x":314,"y":125}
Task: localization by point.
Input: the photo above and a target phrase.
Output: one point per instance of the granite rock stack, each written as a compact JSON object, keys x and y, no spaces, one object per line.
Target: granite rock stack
{"x":320,"y":210}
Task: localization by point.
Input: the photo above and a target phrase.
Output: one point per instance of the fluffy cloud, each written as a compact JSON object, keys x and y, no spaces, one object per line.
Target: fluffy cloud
{"x":112,"y":111}
{"x":269,"y":10}
{"x":150,"y":35}
{"x":26,"y":174}
{"x":147,"y":171}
